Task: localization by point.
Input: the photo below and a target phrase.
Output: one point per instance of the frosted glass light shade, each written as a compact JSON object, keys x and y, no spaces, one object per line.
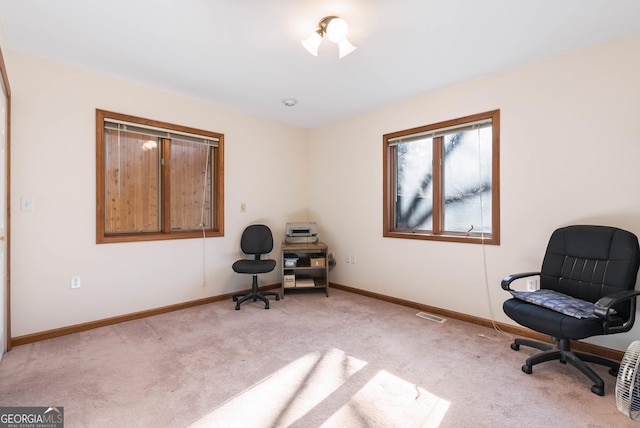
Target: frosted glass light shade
{"x":312,"y":43}
{"x":345,"y":48}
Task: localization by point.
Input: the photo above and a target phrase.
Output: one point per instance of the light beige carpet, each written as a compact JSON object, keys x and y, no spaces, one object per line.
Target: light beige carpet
{"x":309,"y":361}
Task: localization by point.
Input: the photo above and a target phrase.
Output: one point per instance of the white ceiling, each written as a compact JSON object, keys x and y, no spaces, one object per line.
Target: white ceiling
{"x":246,"y":54}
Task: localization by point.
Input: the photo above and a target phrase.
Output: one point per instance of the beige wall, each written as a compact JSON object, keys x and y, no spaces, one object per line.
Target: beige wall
{"x":53,"y":162}
{"x":570,"y":149}
{"x":570,"y":144}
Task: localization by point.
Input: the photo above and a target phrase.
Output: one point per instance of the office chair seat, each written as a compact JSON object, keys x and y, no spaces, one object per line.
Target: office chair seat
{"x":550,"y":322}
{"x":254,"y":266}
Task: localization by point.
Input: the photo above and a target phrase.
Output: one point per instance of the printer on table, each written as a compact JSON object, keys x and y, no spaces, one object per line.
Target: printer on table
{"x":301,"y":233}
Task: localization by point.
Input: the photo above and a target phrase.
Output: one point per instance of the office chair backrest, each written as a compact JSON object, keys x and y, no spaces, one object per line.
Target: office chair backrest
{"x":589,"y":262}
{"x":256,"y":239}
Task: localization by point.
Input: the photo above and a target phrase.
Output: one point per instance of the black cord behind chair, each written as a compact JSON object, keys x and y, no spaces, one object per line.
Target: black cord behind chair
{"x":256,"y":240}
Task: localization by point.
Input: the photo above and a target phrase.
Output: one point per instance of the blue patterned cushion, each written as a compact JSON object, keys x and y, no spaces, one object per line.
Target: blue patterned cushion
{"x":558,"y":302}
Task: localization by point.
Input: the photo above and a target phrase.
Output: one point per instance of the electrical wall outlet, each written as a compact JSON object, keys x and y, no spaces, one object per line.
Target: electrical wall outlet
{"x":350,"y":259}
{"x":532,"y":284}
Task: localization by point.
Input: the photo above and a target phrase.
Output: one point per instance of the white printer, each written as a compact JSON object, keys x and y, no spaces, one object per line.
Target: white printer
{"x":301,"y":233}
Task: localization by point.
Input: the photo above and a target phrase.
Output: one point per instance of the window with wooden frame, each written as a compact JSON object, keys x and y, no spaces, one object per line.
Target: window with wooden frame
{"x":156,"y":180}
{"x":442,"y":181}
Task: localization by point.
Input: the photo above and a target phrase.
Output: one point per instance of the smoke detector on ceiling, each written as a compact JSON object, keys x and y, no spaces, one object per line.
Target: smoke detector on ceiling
{"x":289,"y":102}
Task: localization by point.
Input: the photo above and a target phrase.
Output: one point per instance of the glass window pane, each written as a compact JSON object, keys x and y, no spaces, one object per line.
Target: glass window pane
{"x":132,"y":163}
{"x":414,"y":185}
{"x":191,"y":186}
{"x":467,"y":181}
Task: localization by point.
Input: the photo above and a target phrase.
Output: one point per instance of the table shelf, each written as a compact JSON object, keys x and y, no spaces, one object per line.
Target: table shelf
{"x":312,"y":263}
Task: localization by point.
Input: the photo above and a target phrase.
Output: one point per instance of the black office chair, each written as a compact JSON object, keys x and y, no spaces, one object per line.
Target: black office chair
{"x":256,"y":240}
{"x":587,"y":286}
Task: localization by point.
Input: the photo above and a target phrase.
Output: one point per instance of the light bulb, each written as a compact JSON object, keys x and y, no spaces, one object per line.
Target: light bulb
{"x":337,"y":30}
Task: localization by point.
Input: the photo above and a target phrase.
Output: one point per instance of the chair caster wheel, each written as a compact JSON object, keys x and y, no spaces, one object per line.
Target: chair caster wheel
{"x":527,"y":369}
{"x":235,"y":299}
{"x":613,"y":371}
{"x":515,"y":346}
{"x":238,"y":307}
{"x":597,"y":390}
{"x":277,"y":297}
{"x":266,"y":306}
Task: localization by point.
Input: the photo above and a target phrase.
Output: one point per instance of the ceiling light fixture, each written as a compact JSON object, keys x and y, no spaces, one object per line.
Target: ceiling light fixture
{"x":336,"y":29}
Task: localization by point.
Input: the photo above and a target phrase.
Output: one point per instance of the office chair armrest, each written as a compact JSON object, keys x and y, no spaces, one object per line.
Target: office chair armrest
{"x":604,"y":306}
{"x":507,"y":280}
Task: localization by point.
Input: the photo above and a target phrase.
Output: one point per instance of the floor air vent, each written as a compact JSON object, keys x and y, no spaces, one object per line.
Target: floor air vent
{"x":431,"y":317}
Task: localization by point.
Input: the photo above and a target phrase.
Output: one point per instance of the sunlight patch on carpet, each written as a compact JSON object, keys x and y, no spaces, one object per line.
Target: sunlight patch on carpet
{"x":387,"y":401}
{"x":294,"y":391}
{"x":288,"y":394}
